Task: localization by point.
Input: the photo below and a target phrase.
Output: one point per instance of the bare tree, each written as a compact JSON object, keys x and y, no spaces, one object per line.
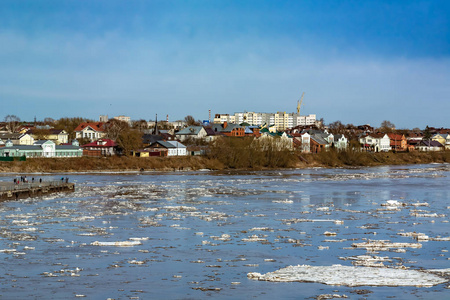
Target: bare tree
{"x":12,"y":122}
{"x":140,"y":125}
{"x":387,"y":126}
{"x":114,"y":128}
{"x":336,"y":127}
{"x":49,"y":121}
{"x":190,"y":121}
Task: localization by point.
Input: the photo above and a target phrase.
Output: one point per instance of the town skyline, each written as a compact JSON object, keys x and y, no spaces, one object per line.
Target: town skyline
{"x":356,"y":62}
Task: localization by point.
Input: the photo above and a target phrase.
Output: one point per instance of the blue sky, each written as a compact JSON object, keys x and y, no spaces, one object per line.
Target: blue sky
{"x":357,"y":61}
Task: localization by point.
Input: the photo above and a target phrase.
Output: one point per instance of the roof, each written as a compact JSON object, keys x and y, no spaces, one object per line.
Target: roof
{"x":67,"y":147}
{"x":177,"y":144}
{"x":229,"y":127}
{"x":41,"y":142}
{"x":97,"y":126}
{"x":164,"y":144}
{"x":248,"y":130}
{"x":190,"y":130}
{"x":23,"y":147}
{"x":98,"y":143}
{"x":443,"y":135}
{"x":318,"y":139}
{"x":50,"y":131}
{"x":377,"y":135}
{"x":210,"y":131}
{"x":151,"y":138}
{"x":338,"y":136}
{"x":12,"y":136}
{"x":395,"y":136}
{"x":430,"y":143}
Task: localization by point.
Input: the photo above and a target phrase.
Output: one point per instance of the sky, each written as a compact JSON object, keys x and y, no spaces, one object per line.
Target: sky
{"x":358,"y":62}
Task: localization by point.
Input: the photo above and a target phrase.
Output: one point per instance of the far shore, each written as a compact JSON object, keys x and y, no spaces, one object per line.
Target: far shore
{"x":329,"y":159}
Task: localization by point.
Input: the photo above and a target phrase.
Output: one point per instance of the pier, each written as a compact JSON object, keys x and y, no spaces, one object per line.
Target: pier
{"x":14,"y":191}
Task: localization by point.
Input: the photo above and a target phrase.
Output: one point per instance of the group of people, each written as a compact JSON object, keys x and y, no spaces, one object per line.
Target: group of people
{"x":24,"y":179}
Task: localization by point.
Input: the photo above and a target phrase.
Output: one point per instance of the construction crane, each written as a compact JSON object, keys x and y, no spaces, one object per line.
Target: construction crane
{"x":299,"y":103}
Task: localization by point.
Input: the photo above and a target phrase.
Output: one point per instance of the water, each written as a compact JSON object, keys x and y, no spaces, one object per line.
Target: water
{"x":194,"y":227}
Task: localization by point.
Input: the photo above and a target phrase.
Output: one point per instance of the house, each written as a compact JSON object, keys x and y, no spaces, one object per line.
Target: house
{"x":167,"y":148}
{"x":41,"y":148}
{"x":318,"y":143}
{"x":211,"y":135}
{"x":90,"y":130}
{"x":252,"y":131}
{"x":398,"y":142}
{"x":193,"y":132}
{"x":443,"y":138}
{"x":18,"y":138}
{"x":305,"y":142}
{"x":229,"y":129}
{"x":340,"y":142}
{"x":100,"y":147}
{"x":59,"y":136}
{"x":429,"y":145}
{"x":375,"y":142}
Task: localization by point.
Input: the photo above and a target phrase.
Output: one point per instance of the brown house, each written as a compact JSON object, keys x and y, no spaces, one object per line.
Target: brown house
{"x":398,"y":142}
{"x":229,"y":129}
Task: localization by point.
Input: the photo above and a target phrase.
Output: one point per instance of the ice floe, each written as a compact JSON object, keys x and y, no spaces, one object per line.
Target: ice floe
{"x":384,"y":245}
{"x":117,"y":244}
{"x":351,"y":276}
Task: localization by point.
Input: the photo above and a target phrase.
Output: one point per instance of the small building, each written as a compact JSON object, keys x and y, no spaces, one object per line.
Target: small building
{"x":340,"y":142}
{"x":41,"y":148}
{"x":443,"y":138}
{"x":100,"y":147}
{"x":193,"y":132}
{"x":59,"y":136}
{"x":167,"y":148}
{"x":18,"y":138}
{"x":429,"y":145}
{"x":398,"y":142}
{"x":318,"y":143}
{"x":229,"y":129}
{"x":376,"y":142}
{"x":90,"y":130}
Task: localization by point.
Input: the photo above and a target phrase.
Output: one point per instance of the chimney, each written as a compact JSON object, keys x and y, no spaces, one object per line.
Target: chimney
{"x":225,"y":124}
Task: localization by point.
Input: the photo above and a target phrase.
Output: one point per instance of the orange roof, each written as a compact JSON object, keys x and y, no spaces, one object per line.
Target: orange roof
{"x":97,"y":126}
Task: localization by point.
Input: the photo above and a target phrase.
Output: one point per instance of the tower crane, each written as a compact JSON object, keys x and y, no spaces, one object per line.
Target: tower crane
{"x":299,"y":103}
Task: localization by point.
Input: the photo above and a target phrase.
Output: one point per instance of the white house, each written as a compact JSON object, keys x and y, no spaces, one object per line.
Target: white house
{"x":90,"y":130}
{"x":305,"y":140}
{"x":340,"y":142}
{"x":378,"y":142}
{"x":195,"y":132}
{"x":172,"y":148}
{"x":179,"y":147}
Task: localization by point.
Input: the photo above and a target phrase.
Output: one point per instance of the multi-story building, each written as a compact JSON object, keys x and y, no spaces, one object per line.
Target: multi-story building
{"x":280,"y":120}
{"x":222,"y":118}
{"x":124,"y":119}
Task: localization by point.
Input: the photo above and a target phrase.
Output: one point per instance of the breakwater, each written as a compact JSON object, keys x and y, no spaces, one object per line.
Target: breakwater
{"x":13,"y":191}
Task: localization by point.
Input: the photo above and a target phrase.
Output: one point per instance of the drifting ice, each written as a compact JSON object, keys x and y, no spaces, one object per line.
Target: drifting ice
{"x":350,"y":276}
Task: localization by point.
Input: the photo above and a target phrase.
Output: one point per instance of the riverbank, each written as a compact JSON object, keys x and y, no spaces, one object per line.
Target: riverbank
{"x":326,"y":159}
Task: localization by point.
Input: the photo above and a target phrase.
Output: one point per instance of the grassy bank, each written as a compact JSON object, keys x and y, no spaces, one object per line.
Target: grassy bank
{"x":324,"y":159}
{"x":109,"y":164}
{"x":354,"y":159}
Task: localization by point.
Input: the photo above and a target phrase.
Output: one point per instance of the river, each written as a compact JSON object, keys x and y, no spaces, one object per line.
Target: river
{"x":191,"y":235}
